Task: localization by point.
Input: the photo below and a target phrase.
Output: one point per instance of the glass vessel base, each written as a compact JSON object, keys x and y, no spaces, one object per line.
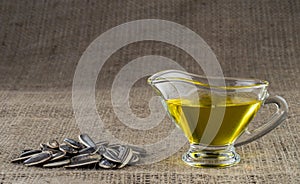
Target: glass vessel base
{"x":199,"y":156}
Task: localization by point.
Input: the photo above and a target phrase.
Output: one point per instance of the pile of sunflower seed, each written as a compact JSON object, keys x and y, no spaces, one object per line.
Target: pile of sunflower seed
{"x":85,"y":152}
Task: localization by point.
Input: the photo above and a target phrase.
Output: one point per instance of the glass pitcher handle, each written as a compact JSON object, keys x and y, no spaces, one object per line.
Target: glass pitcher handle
{"x":279,"y":116}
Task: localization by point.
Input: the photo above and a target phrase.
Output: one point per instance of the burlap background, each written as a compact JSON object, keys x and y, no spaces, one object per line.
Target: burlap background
{"x":41,"y":43}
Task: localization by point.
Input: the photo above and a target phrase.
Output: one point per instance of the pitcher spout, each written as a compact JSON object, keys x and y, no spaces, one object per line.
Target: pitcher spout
{"x":173,"y":84}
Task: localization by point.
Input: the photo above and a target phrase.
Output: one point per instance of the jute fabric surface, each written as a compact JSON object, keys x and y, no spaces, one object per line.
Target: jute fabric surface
{"x":41,"y":43}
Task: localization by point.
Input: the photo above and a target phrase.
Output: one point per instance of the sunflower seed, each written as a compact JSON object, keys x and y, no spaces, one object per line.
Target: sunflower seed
{"x":106,"y":164}
{"x":52,"y":144}
{"x":73,"y":143}
{"x":58,"y":155}
{"x":135,"y":158}
{"x":38,"y":159}
{"x":67,"y":149}
{"x":125,"y":155}
{"x":79,"y":157}
{"x":83,"y":160}
{"x":26,"y":155}
{"x":30,"y":152}
{"x":19,"y":159}
{"x":86,"y":140}
{"x":83,"y":153}
{"x":112,"y":155}
{"x":84,"y":157}
{"x":87,"y":150}
{"x":44,"y":147}
{"x":58,"y":163}
{"x":114,"y":150}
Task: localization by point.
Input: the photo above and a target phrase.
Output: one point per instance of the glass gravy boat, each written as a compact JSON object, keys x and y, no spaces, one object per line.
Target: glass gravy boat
{"x":214,"y":113}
